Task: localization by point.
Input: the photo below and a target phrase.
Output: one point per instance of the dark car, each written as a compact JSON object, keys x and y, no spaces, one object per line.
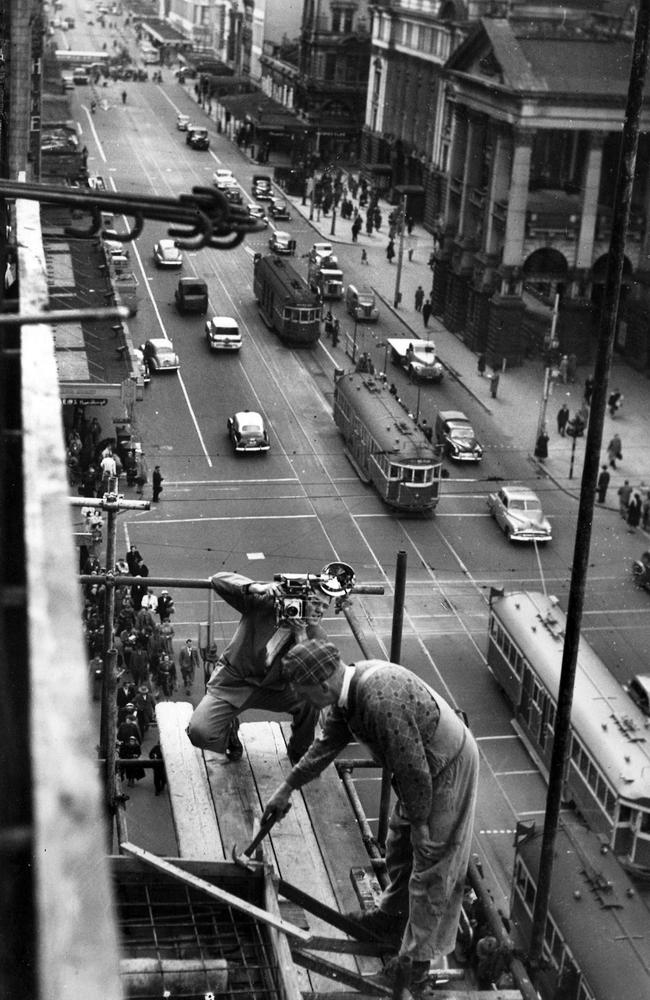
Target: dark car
{"x":279,"y":209}
{"x":192,"y":296}
{"x":197,"y":137}
{"x":233,"y":195}
{"x":455,"y":433}
{"x":262,"y":187}
{"x":248,"y":432}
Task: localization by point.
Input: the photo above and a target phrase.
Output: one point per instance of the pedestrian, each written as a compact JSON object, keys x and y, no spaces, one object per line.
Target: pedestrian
{"x":141,"y":475}
{"x":494,"y":384}
{"x":329,"y":323}
{"x":615,"y":402}
{"x":188,"y":661}
{"x":624,"y":494}
{"x":603,"y":483}
{"x":156,"y":484}
{"x":615,"y":451}
{"x":133,"y":560}
{"x":426,"y":311}
{"x":336,"y":332}
{"x":108,"y":467}
{"x":481,"y":364}
{"x":589,"y":388}
{"x":634,"y":513}
{"x":562,"y":419}
{"x":572,"y":368}
{"x":419,"y":298}
{"x":356,"y":228}
{"x":645,"y":513}
{"x":144,"y":708}
{"x":248,"y":674}
{"x":409,"y":224}
{"x":159,"y":773}
{"x":364,"y":256}
{"x":563,"y":368}
{"x":420,"y":740}
{"x":124,"y":97}
{"x":390,"y":251}
{"x":165,"y":606}
{"x":541,"y":446}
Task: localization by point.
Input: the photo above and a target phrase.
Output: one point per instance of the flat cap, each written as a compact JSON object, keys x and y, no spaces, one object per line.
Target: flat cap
{"x":310,"y":662}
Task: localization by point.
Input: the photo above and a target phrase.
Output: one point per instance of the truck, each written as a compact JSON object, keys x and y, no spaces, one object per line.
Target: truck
{"x":417,"y":358}
{"x":325,"y":278}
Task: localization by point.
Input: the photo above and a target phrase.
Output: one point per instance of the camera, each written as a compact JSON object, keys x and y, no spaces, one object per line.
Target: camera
{"x":335,"y":580}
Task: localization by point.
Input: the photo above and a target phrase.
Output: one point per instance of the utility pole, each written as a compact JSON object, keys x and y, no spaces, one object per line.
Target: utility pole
{"x":400,"y":253}
{"x":548,"y":377}
{"x":112,"y":503}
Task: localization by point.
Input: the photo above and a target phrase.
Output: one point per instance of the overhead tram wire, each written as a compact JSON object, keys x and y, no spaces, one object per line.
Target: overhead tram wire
{"x":580,"y":565}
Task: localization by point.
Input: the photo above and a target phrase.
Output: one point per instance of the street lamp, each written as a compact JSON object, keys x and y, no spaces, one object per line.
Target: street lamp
{"x":400,"y":253}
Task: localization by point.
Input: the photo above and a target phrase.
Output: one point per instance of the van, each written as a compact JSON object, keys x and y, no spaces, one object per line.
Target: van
{"x":360,"y":303}
{"x":80,"y":76}
{"x":191,"y":296}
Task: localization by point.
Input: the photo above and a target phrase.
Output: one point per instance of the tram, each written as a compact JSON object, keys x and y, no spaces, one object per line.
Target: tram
{"x":598,"y":927}
{"x":286,"y":303}
{"x":607,"y":771}
{"x":385,"y":445}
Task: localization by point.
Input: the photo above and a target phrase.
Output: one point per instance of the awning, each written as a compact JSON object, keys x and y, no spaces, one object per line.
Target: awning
{"x":409,"y":189}
{"x":264,"y":113}
{"x":162,"y":32}
{"x":378,"y":168}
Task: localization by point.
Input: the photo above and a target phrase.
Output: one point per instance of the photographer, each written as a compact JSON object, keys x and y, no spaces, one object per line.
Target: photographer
{"x":247,"y":673}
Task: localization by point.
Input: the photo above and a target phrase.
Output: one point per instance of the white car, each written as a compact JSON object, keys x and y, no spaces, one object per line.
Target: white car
{"x":223,"y":177}
{"x":182,"y":122}
{"x":282,"y":242}
{"x":167,"y":254}
{"x":223,"y":334}
{"x":159,"y":355}
{"x":518,"y":512}
{"x":247,"y":432}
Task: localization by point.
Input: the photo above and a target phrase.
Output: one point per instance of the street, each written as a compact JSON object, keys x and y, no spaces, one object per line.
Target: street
{"x":302,"y":505}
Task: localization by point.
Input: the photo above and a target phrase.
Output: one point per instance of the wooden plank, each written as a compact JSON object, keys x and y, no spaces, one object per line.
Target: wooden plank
{"x":294,"y":842}
{"x":195,"y":822}
{"x":235,"y":798}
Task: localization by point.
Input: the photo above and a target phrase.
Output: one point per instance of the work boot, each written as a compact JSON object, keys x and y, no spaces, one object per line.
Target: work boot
{"x":235,"y":749}
{"x":386,"y":927}
{"x":416,"y":983}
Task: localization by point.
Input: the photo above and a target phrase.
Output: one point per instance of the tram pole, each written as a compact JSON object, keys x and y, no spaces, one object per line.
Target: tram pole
{"x":606,"y":338}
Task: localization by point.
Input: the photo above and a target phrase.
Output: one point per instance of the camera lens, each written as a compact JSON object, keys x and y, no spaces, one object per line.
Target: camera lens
{"x":291,"y":612}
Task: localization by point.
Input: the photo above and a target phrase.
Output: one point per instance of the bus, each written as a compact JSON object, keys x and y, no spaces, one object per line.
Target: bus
{"x":384,"y":443}
{"x":70,"y":57}
{"x":286,"y":303}
{"x":597,"y":932}
{"x":607,"y":770}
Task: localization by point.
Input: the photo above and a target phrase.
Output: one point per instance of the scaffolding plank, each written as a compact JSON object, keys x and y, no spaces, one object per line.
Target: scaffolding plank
{"x":195,"y":822}
{"x":294,"y":841}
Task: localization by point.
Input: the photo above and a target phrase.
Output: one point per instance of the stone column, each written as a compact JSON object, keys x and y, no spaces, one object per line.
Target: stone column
{"x":498,"y":186}
{"x":591,"y":187}
{"x":518,"y":200}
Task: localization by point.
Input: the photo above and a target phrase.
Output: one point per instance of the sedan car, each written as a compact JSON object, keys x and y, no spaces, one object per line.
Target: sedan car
{"x":159,"y":355}
{"x":167,"y":254}
{"x":257,"y":212}
{"x":279,"y":209}
{"x":247,"y":432}
{"x":223,"y":177}
{"x":456,"y":435}
{"x":197,"y":137}
{"x":282,"y":242}
{"x":518,"y":512}
{"x":182,"y":122}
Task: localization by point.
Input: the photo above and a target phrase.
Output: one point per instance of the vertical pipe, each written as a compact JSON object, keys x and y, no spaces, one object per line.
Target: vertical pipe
{"x":395,"y":655}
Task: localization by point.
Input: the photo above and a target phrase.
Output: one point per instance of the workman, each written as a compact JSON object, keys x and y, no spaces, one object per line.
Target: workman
{"x":433,"y":760}
{"x":247,"y":672}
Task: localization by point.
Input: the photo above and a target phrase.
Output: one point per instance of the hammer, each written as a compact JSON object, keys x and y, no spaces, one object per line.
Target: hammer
{"x":245,"y":858}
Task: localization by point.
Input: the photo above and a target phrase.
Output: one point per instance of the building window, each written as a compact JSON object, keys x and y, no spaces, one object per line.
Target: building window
{"x":330,"y":66}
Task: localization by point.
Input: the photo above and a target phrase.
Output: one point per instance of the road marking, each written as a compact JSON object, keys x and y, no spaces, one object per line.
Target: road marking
{"x":243,"y":517}
{"x":94,"y":132}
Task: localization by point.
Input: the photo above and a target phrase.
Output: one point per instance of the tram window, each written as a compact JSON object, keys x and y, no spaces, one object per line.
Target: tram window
{"x":517,"y":664}
{"x":601,"y":790}
{"x":610,"y":802}
{"x":394,"y":471}
{"x":645,"y":821}
{"x":555,"y":944}
{"x":625,"y":816}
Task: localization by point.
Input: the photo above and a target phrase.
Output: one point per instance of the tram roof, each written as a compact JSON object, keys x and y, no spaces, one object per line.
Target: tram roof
{"x":393,"y":429}
{"x":293,"y":285}
{"x":603,"y":920}
{"x":603,"y":716}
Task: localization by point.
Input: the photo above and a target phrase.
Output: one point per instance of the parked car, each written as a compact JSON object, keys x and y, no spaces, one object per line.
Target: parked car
{"x":167,"y":254}
{"x":182,"y":122}
{"x":361,"y":303}
{"x":455,"y":433}
{"x":262,"y":187}
{"x":322,"y":251}
{"x":197,"y":137}
{"x":282,"y":242}
{"x":233,"y":194}
{"x":191,"y":295}
{"x":223,"y":177}
{"x":518,"y":512}
{"x":279,"y":209}
{"x":159,"y":355}
{"x":223,"y":334}
{"x":248,"y":432}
